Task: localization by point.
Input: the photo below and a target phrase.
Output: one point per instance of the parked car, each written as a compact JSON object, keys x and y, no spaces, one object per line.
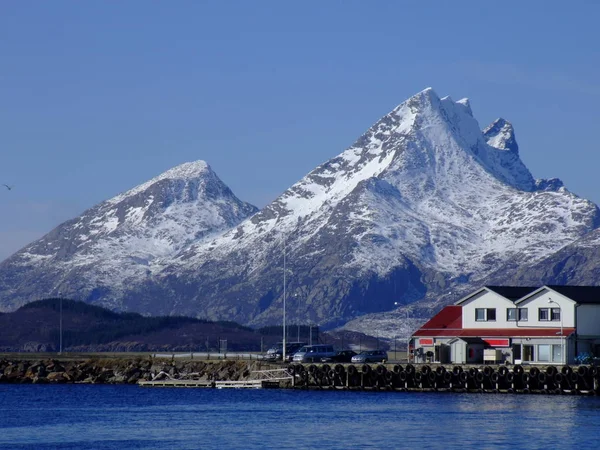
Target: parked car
{"x":368,"y":356}
{"x":341,"y":356}
{"x":314,"y":353}
{"x":275,"y":353}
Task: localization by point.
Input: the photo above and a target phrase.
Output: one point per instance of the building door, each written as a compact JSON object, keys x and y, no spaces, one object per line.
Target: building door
{"x":528,"y":353}
{"x":516,"y":352}
{"x":458,"y":349}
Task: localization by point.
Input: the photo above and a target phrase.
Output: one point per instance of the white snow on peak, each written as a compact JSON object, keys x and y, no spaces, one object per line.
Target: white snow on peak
{"x":501,"y":135}
{"x":123,"y":237}
{"x":183,"y":171}
{"x":466,"y":104}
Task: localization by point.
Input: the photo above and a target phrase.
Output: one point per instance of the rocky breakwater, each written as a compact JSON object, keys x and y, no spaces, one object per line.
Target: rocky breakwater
{"x":122,"y":371}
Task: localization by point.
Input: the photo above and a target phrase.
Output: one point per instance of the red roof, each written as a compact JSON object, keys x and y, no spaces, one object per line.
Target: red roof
{"x":447,"y":319}
{"x":448,"y":323}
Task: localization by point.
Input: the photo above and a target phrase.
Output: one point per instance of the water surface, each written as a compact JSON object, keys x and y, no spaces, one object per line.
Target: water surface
{"x":112,"y":417}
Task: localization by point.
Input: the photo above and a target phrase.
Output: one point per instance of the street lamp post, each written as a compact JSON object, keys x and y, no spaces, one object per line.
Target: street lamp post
{"x":60,"y":325}
{"x":284,"y":294}
{"x":562,"y":336}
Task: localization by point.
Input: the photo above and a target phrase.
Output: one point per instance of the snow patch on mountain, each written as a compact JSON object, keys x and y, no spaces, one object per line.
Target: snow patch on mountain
{"x":118,"y":241}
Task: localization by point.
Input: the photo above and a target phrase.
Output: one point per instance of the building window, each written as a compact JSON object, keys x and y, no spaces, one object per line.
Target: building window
{"x":555,"y":314}
{"x":485,"y":314}
{"x":523,"y":314}
{"x":479,"y":314}
{"x":544,"y":353}
{"x":556,"y":353}
{"x":528,"y":353}
{"x":511,"y":314}
{"x":543,"y":314}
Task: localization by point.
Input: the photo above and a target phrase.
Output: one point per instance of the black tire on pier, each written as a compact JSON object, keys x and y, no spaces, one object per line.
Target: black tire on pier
{"x":325,"y":368}
{"x":463,"y":376}
{"x":525,"y":377}
{"x":425,"y":370}
{"x":409,"y":369}
{"x":510,"y":377}
{"x":352,"y":370}
{"x":558,"y":377}
{"x":582,"y":370}
{"x":339,"y":369}
{"x":574,"y":377}
{"x":542,"y":377}
{"x":389,"y":376}
{"x":365,"y":368}
{"x":312,"y":369}
{"x":447,"y":377}
{"x":487,"y":371}
{"x":440,"y":370}
{"x":502,"y":371}
{"x":534,"y":372}
{"x":518,"y":369}
{"x":551,"y":371}
{"x":566,"y":370}
{"x":418,"y":376}
{"x":494,"y":377}
{"x":398,"y":368}
{"x":457,"y":370}
{"x":403,"y":376}
{"x":472,"y":372}
{"x":381,"y":369}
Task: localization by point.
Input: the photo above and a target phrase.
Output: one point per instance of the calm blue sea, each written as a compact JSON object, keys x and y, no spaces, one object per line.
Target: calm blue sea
{"x":115,"y":417}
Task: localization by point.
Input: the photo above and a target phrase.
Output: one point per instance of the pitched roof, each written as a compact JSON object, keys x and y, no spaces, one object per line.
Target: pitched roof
{"x":512,"y":292}
{"x":579,"y":294}
{"x":449,"y":318}
{"x":495,"y":332}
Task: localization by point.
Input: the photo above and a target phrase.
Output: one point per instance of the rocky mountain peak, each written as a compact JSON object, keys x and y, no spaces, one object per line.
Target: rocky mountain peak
{"x":500,"y":134}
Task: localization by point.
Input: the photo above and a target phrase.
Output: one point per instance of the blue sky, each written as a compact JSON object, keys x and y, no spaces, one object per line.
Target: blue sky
{"x":97,"y":97}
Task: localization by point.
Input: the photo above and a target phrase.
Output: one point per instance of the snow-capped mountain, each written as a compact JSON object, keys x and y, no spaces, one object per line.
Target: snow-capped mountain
{"x":99,"y":254}
{"x":423,"y":203}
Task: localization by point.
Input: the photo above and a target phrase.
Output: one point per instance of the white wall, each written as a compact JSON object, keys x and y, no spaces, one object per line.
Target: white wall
{"x":486,"y":299}
{"x":540,"y":300}
{"x":588,"y":320}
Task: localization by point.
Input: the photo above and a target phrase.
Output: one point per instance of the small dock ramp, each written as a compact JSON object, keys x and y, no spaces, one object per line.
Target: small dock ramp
{"x":262,"y":379}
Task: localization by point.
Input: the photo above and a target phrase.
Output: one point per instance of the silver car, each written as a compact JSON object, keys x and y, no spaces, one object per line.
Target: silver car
{"x":314,"y":353}
{"x":368,"y":356}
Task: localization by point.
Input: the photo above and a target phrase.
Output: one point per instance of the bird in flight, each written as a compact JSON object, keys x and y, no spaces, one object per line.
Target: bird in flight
{"x":8,"y":187}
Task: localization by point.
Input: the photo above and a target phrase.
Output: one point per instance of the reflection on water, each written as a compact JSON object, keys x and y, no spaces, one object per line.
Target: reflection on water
{"x":72,"y":416}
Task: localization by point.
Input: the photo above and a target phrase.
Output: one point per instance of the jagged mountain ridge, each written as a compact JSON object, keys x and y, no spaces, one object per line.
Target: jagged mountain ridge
{"x":423,"y":202}
{"x":98,"y":254}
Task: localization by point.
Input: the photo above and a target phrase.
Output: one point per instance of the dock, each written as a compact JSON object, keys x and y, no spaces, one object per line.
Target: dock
{"x":260,"y":379}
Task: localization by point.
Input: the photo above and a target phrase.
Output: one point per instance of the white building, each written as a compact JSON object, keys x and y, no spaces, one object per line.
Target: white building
{"x":546,"y":325}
